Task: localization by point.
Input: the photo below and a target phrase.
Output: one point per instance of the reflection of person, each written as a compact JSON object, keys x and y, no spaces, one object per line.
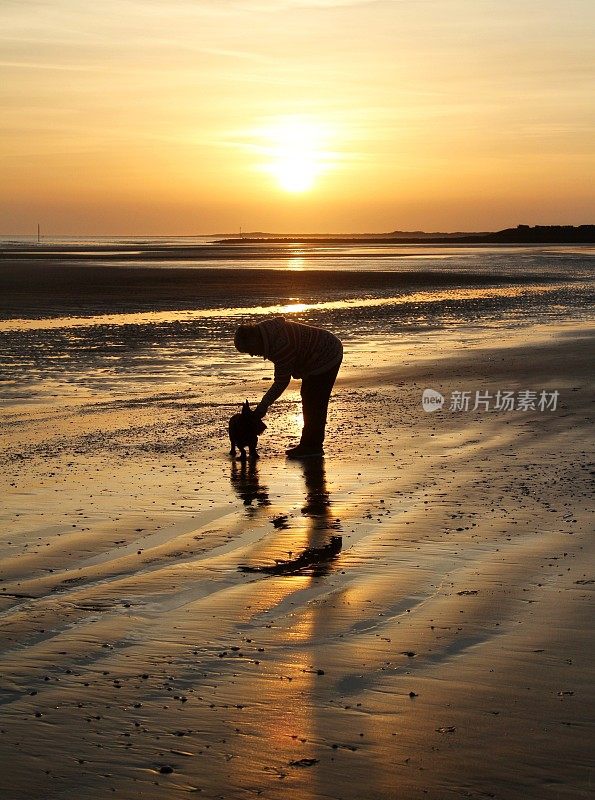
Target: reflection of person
{"x":299,"y":351}
{"x":322,"y":542}
{"x":318,"y":502}
{"x":317,"y":508}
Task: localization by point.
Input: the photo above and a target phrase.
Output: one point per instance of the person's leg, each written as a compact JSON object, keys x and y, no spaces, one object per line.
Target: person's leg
{"x":315,"y":392}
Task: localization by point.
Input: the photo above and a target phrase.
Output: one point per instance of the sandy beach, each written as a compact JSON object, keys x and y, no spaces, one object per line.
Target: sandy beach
{"x":395,"y":603}
{"x":443,"y":653}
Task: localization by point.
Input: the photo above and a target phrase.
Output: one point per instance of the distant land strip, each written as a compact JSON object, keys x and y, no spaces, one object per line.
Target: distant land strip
{"x":522,"y":234}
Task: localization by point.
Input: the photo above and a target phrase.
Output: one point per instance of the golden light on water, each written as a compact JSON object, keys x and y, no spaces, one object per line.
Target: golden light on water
{"x":207,"y":313}
{"x":296,"y":263}
{"x":293,"y":308}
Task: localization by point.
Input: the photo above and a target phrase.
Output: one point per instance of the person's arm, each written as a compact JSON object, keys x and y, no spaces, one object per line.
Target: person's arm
{"x":280,"y":384}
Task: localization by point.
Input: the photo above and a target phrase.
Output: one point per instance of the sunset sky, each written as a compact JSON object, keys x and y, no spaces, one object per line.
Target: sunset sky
{"x":196,"y":116}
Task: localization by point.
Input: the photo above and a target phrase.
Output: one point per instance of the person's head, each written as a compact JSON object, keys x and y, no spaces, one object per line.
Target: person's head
{"x":248,"y":339}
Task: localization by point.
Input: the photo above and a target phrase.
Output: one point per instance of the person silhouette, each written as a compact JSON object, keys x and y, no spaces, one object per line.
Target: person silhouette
{"x":300,"y":351}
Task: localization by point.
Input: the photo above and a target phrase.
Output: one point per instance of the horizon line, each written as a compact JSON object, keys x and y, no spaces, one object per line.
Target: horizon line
{"x":238,"y":234}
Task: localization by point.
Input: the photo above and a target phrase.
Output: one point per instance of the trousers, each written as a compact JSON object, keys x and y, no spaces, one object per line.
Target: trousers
{"x":315,"y":393}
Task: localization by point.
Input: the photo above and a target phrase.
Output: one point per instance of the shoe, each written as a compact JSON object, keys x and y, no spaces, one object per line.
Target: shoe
{"x":301,"y":451}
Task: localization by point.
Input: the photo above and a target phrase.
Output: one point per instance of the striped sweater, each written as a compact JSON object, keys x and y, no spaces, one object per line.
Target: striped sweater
{"x":296,"y":350}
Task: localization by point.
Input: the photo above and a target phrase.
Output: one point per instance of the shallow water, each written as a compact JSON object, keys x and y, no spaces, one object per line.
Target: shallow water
{"x":175,"y":337}
{"x":371,"y":258}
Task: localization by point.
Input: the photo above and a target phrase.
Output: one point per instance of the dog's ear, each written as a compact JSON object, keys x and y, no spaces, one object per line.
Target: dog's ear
{"x":246,"y":408}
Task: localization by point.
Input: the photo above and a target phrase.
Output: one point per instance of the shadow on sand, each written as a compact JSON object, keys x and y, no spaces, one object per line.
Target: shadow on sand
{"x":246,"y":484}
{"x":317,"y":557}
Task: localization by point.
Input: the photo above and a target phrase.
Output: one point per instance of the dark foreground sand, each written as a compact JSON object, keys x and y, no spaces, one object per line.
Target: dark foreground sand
{"x":445,"y":653}
{"x":45,"y":288}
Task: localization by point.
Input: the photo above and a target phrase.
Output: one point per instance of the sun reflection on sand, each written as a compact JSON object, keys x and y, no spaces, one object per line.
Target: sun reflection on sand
{"x":296,"y":264}
{"x":293,"y":308}
{"x":443,"y":295}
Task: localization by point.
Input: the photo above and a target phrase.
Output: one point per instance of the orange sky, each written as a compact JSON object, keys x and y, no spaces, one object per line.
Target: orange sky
{"x":197,"y":116}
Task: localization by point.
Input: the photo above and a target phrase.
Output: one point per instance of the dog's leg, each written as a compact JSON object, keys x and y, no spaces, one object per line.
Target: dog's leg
{"x":232,"y":451}
{"x":253,"y":451}
{"x":242,"y":454}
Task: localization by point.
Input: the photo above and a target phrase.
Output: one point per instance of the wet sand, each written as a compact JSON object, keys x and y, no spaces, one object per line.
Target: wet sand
{"x":445,"y":652}
{"x":52,"y":287}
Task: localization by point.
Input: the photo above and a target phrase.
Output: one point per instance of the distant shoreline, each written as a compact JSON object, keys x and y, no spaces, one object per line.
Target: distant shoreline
{"x":522,"y":234}
{"x":214,"y":244}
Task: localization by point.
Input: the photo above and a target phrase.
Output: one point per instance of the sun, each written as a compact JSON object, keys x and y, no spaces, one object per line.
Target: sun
{"x":297,"y":155}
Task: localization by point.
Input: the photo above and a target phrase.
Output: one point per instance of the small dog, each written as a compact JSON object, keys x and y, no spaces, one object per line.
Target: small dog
{"x":244,"y":430}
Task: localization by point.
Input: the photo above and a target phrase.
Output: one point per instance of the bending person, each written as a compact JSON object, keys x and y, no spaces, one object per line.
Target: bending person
{"x":299,"y":351}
